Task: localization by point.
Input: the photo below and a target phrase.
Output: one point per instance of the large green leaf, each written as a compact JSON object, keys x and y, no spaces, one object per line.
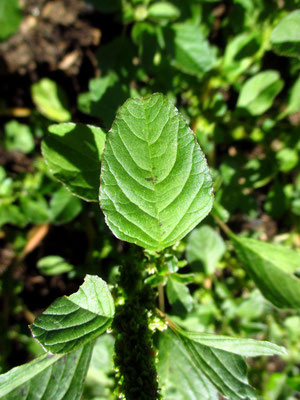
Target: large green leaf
{"x":205,"y":245}
{"x":10,"y":17}
{"x":178,"y":376}
{"x":224,"y":370}
{"x":72,"y":153}
{"x":271,"y":267}
{"x":285,"y":38}
{"x":73,"y":321}
{"x":188,"y":48}
{"x":50,"y":100}
{"x":48,"y":377}
{"x":258,"y":93}
{"x":240,"y":346}
{"x":155,"y":183}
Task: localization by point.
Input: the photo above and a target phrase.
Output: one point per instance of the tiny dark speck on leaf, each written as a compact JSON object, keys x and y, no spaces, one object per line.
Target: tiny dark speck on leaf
{"x":152,"y":178}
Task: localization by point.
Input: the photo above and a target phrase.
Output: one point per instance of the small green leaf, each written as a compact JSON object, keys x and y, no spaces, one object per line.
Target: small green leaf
{"x":35,"y":209}
{"x":188,"y":48}
{"x":293,"y":105}
{"x":72,"y":153}
{"x":104,"y":97}
{"x":207,"y":246}
{"x":271,"y":267}
{"x":73,"y":321}
{"x":239,"y":54}
{"x":178,"y":294}
{"x":163,"y":11}
{"x":18,"y":137}
{"x":10,"y":17}
{"x":258,"y":93}
{"x":48,"y":377}
{"x":178,"y":376}
{"x":287,"y":158}
{"x":155,"y":183}
{"x":50,"y":100}
{"x":53,"y":265}
{"x":12,"y":214}
{"x":64,"y":207}
{"x":285,"y":38}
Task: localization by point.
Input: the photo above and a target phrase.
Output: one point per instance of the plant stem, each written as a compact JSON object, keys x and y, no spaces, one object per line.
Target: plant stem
{"x":161,"y":298}
{"x":134,"y":353}
{"x":223,"y":226}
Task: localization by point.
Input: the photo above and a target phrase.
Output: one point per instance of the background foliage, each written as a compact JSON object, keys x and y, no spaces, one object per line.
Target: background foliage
{"x":232,"y":70}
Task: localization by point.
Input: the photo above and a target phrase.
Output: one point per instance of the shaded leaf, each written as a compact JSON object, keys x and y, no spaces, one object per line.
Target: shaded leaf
{"x":285,"y":37}
{"x":104,"y":97}
{"x":293,"y":105}
{"x":258,"y":93}
{"x":99,"y":379}
{"x":72,"y":153}
{"x":48,"y":377}
{"x":239,"y":54}
{"x":155,"y":183}
{"x":64,"y":207}
{"x":10,"y":17}
{"x":35,"y":209}
{"x":271,"y":267}
{"x":72,"y":321}
{"x":178,"y":377}
{"x":226,"y":371}
{"x":50,"y":100}
{"x":12,"y":214}
{"x":205,"y":245}
{"x":190,"y":52}
{"x":178,"y":294}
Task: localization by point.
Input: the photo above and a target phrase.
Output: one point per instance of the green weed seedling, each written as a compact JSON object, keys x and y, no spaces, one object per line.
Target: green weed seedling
{"x":155,"y":188}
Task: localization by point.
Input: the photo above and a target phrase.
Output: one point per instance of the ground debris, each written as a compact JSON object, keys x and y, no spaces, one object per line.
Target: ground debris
{"x":54,"y":33}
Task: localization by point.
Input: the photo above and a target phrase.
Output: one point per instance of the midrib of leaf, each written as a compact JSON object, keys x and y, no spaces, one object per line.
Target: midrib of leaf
{"x":154,"y":179}
{"x":152,"y":169}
